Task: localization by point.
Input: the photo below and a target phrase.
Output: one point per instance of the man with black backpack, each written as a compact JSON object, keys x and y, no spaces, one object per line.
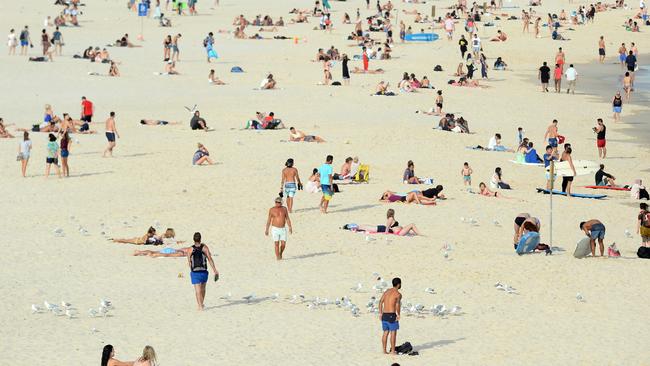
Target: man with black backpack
{"x":198,"y":261}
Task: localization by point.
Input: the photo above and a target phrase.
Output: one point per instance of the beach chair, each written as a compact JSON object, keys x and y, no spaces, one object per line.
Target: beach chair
{"x":363,"y":175}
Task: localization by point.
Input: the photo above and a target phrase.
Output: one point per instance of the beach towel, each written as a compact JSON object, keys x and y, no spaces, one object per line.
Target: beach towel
{"x":236,"y":69}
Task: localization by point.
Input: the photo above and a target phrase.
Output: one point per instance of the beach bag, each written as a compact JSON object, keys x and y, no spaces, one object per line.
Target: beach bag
{"x":560,"y":139}
{"x":236,"y":69}
{"x":405,"y":348}
{"x":198,"y":262}
{"x":437,"y":68}
{"x":643,"y":252}
{"x":612,"y":251}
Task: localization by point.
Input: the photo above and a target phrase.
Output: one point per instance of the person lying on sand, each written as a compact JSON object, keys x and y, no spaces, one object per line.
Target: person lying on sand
{"x":358,"y":70}
{"x":166,"y":252}
{"x":392,"y":226}
{"x":170,"y":68}
{"x":201,"y":156}
{"x":299,"y":136}
{"x":150,"y":238}
{"x":484,"y":191}
{"x":464,"y":82}
{"x":391,"y":197}
{"x":157,"y":122}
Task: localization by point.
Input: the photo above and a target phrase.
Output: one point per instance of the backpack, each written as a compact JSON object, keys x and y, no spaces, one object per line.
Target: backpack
{"x":643,"y":252}
{"x":645,"y":219}
{"x":407,"y":348}
{"x":198,"y":260}
{"x":437,"y":68}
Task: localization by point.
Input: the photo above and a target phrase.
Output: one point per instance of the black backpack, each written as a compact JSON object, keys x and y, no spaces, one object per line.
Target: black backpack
{"x":437,"y":68}
{"x":643,"y":252}
{"x":404,"y":349}
{"x":198,"y":260}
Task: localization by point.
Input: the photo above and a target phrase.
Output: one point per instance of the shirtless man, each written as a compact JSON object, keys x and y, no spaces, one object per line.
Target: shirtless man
{"x":345,"y":170}
{"x":279,"y":218}
{"x":111,"y":133}
{"x":389,"y":314}
{"x":551,"y":134}
{"x":594,"y":229}
{"x":601,"y":49}
{"x":290,"y":182}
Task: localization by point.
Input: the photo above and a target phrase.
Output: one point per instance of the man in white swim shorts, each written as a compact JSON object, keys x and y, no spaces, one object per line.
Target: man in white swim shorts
{"x":279,"y":220}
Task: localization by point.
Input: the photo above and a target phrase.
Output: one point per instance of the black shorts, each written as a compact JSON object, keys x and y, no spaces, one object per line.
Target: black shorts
{"x":630,"y":68}
{"x":390,"y":34}
{"x":88,"y":118}
{"x":567,"y":179}
{"x":601,"y":51}
{"x":359,"y":33}
{"x":110,"y":136}
{"x":52,"y":161}
{"x":84,"y":127}
{"x":35,"y":128}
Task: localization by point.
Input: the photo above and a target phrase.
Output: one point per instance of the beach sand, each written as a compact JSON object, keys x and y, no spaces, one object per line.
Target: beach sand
{"x":151,"y":180}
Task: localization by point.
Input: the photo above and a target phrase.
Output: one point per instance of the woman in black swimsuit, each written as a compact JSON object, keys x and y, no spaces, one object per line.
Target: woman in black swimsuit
{"x":392,"y":226}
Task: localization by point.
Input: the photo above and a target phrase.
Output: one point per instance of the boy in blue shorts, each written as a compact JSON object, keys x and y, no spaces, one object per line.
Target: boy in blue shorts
{"x":326,"y":174}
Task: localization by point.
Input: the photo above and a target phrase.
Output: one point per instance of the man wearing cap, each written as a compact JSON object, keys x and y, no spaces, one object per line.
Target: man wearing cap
{"x":279,"y":219}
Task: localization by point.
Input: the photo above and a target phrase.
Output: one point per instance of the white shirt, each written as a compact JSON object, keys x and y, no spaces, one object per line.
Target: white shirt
{"x":571,"y":74}
{"x":476,"y":42}
{"x":25,"y":147}
{"x":449,"y":24}
{"x":492,"y":143}
{"x":11,"y":39}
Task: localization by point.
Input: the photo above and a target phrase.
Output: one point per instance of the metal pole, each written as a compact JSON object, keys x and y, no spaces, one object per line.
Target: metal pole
{"x":550,"y":221}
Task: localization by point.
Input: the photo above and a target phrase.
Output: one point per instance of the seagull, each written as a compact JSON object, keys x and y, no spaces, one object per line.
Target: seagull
{"x":275,"y":296}
{"x":456,"y":310}
{"x":58,"y":311}
{"x":70,"y":313}
{"x":92,"y":313}
{"x":580,"y":298}
{"x":102,"y":310}
{"x":105,"y":303}
{"x":58,"y":232}
{"x":65,"y":304}
{"x":250,"y":297}
{"x":462,"y":219}
{"x":496,"y":223}
{"x":226,"y":296}
{"x":354,"y":311}
{"x":191,"y":110}
{"x":627,"y":233}
{"x":498,"y":284}
{"x":50,"y":307}
{"x":446,"y":255}
{"x":36,"y":309}
{"x":357,"y":288}
{"x":429,"y":290}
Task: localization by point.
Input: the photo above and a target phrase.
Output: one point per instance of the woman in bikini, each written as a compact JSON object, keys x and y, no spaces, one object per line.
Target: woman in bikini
{"x":393,"y":227}
{"x":150,"y":238}
{"x":484,"y":191}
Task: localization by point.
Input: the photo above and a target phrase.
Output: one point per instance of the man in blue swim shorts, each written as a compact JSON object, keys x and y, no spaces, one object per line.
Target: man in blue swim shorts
{"x":552,"y":135}
{"x":290,"y":182}
{"x":595,"y":230}
{"x":198,"y":260}
{"x":326,"y":175}
{"x":389,"y":313}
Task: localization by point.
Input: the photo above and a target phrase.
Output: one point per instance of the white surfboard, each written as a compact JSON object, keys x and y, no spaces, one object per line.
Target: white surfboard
{"x":583,"y":167}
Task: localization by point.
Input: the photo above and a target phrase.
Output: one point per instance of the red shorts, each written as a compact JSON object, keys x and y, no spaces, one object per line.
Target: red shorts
{"x":601,"y":143}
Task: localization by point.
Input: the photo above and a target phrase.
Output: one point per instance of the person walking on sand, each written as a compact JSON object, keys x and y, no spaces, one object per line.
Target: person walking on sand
{"x":65,"y":152}
{"x":552,"y":135}
{"x":617,"y":106}
{"x":600,"y":130}
{"x":571,"y":76}
{"x":601,"y":49}
{"x":643,"y":224}
{"x":279,"y":219}
{"x":557,"y":78}
{"x":326,"y":185}
{"x":544,"y":75}
{"x":198,"y":261}
{"x":595,"y":230}
{"x":24,"y":151}
{"x":111,"y":134}
{"x":290,"y":182}
{"x":389,"y":313}
{"x":466,"y":172}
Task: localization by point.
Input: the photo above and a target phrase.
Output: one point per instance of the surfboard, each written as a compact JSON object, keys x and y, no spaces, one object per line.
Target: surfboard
{"x":526,"y":164}
{"x":421,"y":37}
{"x":577,"y":195}
{"x":583,"y":248}
{"x":527,"y":243}
{"x":583,"y":167}
{"x":609,"y":188}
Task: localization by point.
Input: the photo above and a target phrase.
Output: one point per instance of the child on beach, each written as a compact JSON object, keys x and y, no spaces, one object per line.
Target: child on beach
{"x":466,"y":172}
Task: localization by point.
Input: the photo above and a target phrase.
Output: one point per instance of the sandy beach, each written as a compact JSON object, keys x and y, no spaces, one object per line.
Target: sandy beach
{"x":151,"y":182}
